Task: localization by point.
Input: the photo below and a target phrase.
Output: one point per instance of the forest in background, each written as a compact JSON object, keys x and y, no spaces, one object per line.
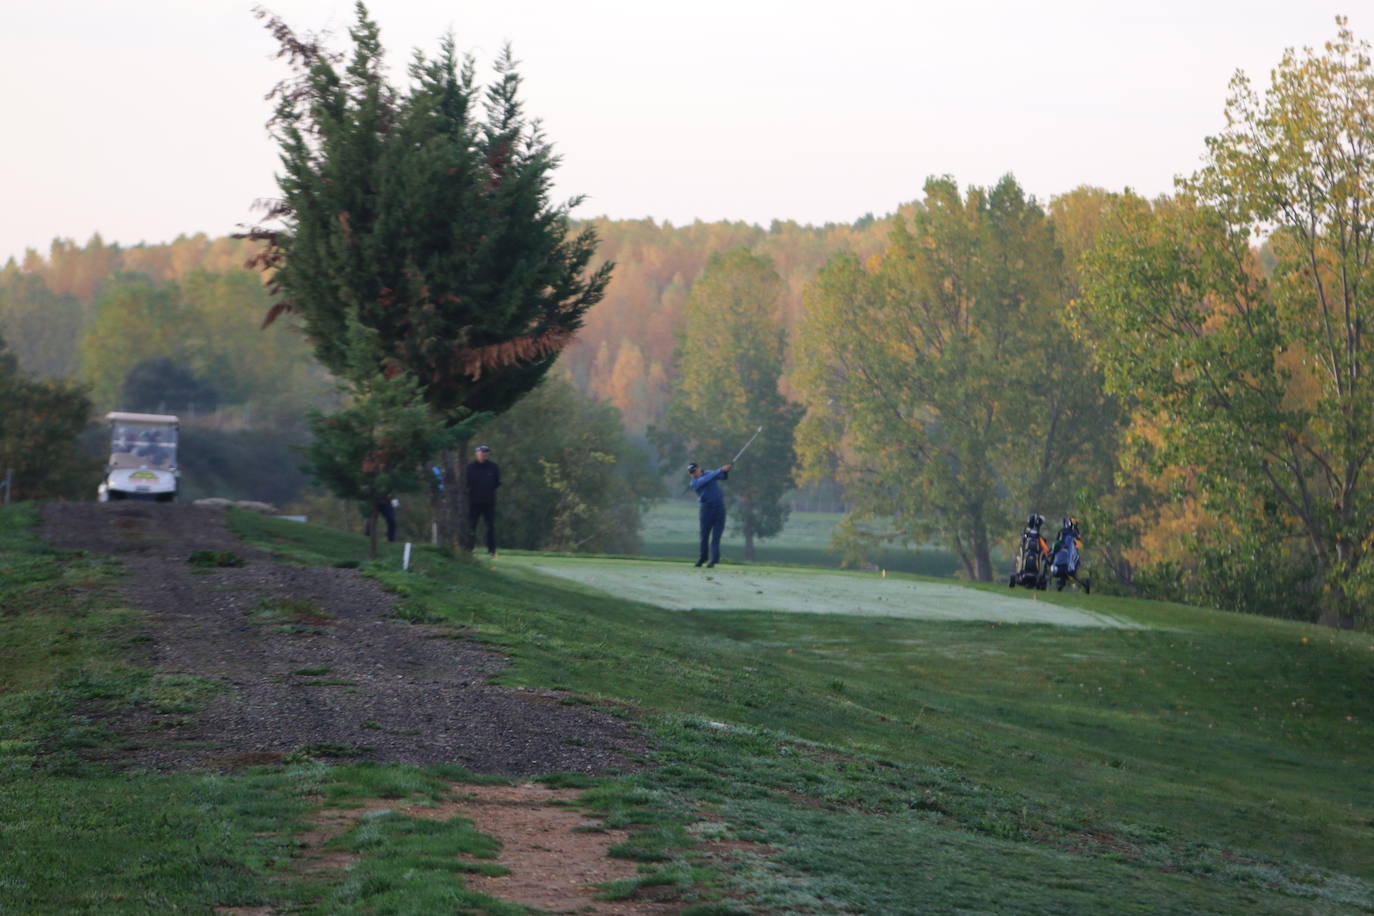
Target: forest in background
{"x":177,"y":327}
{"x":624,"y":353}
{"x":78,"y":310}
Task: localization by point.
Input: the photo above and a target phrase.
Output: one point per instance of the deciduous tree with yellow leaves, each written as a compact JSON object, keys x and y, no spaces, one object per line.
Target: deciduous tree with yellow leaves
{"x":943,"y":390}
{"x":1263,"y":378}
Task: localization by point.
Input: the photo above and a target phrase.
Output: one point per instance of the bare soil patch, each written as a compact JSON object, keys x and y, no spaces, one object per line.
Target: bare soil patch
{"x":555,"y":862}
{"x":311,"y":659}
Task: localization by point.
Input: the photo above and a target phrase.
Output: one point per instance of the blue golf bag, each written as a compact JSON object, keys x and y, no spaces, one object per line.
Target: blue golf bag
{"x":1066,"y":554}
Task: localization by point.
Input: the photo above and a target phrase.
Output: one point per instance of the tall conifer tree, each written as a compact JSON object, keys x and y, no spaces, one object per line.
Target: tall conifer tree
{"x":419,"y":220}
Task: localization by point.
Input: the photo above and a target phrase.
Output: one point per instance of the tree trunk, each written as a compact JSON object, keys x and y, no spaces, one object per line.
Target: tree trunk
{"x":982,"y":552}
{"x":984,"y":561}
{"x":1125,"y":574}
{"x":1337,"y":619}
{"x":747,"y":528}
{"x":372,"y":519}
{"x":963,"y":556}
{"x":450,"y":505}
{"x":1336,"y":611}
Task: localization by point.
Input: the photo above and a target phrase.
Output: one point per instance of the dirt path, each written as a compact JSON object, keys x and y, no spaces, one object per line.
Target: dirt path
{"x":311,"y":660}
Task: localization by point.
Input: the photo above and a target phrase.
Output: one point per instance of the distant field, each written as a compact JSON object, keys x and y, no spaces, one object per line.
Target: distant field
{"x":681,"y":587}
{"x":670,"y":530}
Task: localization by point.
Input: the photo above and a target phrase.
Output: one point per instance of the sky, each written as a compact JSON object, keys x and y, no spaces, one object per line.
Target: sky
{"x":143,"y":121}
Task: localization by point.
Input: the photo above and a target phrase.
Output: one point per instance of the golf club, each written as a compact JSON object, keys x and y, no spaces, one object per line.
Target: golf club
{"x":737,"y":454}
{"x":746,"y":445}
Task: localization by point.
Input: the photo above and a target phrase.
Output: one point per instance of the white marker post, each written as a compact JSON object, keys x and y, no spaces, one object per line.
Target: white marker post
{"x":405,"y":558}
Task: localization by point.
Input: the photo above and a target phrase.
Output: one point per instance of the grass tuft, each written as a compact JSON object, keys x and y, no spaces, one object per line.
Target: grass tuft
{"x":215,"y":558}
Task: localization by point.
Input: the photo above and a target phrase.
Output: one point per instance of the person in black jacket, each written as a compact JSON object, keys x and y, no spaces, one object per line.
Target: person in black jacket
{"x":483,"y":477}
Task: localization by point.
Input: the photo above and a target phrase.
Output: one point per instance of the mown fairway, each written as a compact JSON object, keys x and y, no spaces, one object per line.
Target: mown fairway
{"x":681,"y":587}
{"x":1187,"y":761}
{"x":670,"y":530}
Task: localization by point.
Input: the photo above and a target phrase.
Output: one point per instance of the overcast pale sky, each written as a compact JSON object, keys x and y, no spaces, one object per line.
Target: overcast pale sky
{"x":144,"y":120}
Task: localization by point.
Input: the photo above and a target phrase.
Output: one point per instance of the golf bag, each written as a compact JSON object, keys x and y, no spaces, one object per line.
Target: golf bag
{"x":1066,"y":555}
{"x":1033,"y":560}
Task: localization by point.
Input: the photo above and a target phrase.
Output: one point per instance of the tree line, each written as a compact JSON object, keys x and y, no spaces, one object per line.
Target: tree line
{"x":1184,"y":374}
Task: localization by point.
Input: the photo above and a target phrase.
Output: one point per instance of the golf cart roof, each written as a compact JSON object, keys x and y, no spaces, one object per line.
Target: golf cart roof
{"x":121,"y":417}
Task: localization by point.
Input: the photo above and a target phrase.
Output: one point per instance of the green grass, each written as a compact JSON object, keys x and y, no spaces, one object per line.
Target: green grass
{"x":670,"y":530}
{"x":291,"y":615}
{"x":214,"y":558}
{"x":77,"y":836}
{"x":1200,"y":762}
{"x":1207,"y":761}
{"x":677,"y":585}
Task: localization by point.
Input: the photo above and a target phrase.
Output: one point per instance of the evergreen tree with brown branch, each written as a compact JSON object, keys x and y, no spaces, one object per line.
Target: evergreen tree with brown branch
{"x":422,"y":216}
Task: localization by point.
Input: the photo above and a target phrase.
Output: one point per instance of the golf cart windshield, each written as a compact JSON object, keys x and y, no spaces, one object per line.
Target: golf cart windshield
{"x":138,"y":445}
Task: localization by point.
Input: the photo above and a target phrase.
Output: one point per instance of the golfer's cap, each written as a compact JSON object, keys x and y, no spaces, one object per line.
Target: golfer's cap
{"x":692,"y":466}
{"x":484,"y":448}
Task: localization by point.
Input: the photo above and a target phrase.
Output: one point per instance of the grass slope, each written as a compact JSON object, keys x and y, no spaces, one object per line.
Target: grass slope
{"x":1201,"y":762}
{"x":1205,"y":761}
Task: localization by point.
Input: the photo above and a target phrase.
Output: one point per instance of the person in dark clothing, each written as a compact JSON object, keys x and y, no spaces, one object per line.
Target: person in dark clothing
{"x":711,"y":510}
{"x":483,"y":477}
{"x":386,"y":508}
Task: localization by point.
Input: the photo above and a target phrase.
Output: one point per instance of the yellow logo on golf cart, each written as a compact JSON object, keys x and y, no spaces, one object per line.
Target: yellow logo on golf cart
{"x":143,"y":475}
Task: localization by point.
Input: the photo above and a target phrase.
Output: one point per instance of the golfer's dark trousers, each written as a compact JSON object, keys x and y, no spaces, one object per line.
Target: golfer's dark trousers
{"x":488,"y":512}
{"x":388,"y":514}
{"x":712,"y":527}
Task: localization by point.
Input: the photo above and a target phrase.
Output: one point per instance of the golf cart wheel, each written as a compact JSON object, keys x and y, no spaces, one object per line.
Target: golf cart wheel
{"x":1059,"y":584}
{"x":1011,"y":583}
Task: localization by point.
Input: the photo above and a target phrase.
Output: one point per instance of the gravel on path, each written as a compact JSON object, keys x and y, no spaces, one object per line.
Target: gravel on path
{"x":312,"y":660}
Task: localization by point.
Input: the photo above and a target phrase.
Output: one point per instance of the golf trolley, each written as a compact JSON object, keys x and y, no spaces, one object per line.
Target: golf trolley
{"x":1033,"y":559}
{"x":1067,"y":553}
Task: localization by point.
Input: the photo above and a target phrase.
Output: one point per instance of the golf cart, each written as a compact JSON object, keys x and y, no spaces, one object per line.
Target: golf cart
{"x":143,"y":458}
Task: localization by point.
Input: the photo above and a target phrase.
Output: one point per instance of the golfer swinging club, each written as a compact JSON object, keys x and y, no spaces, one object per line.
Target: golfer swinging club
{"x":711,"y":509}
{"x":711,"y":501}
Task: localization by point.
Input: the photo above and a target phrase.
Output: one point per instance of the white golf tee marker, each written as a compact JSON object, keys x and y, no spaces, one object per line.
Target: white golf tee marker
{"x":405,"y":558}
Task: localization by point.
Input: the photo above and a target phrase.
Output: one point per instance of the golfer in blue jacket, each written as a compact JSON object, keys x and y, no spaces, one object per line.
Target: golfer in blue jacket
{"x":711,"y":508}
